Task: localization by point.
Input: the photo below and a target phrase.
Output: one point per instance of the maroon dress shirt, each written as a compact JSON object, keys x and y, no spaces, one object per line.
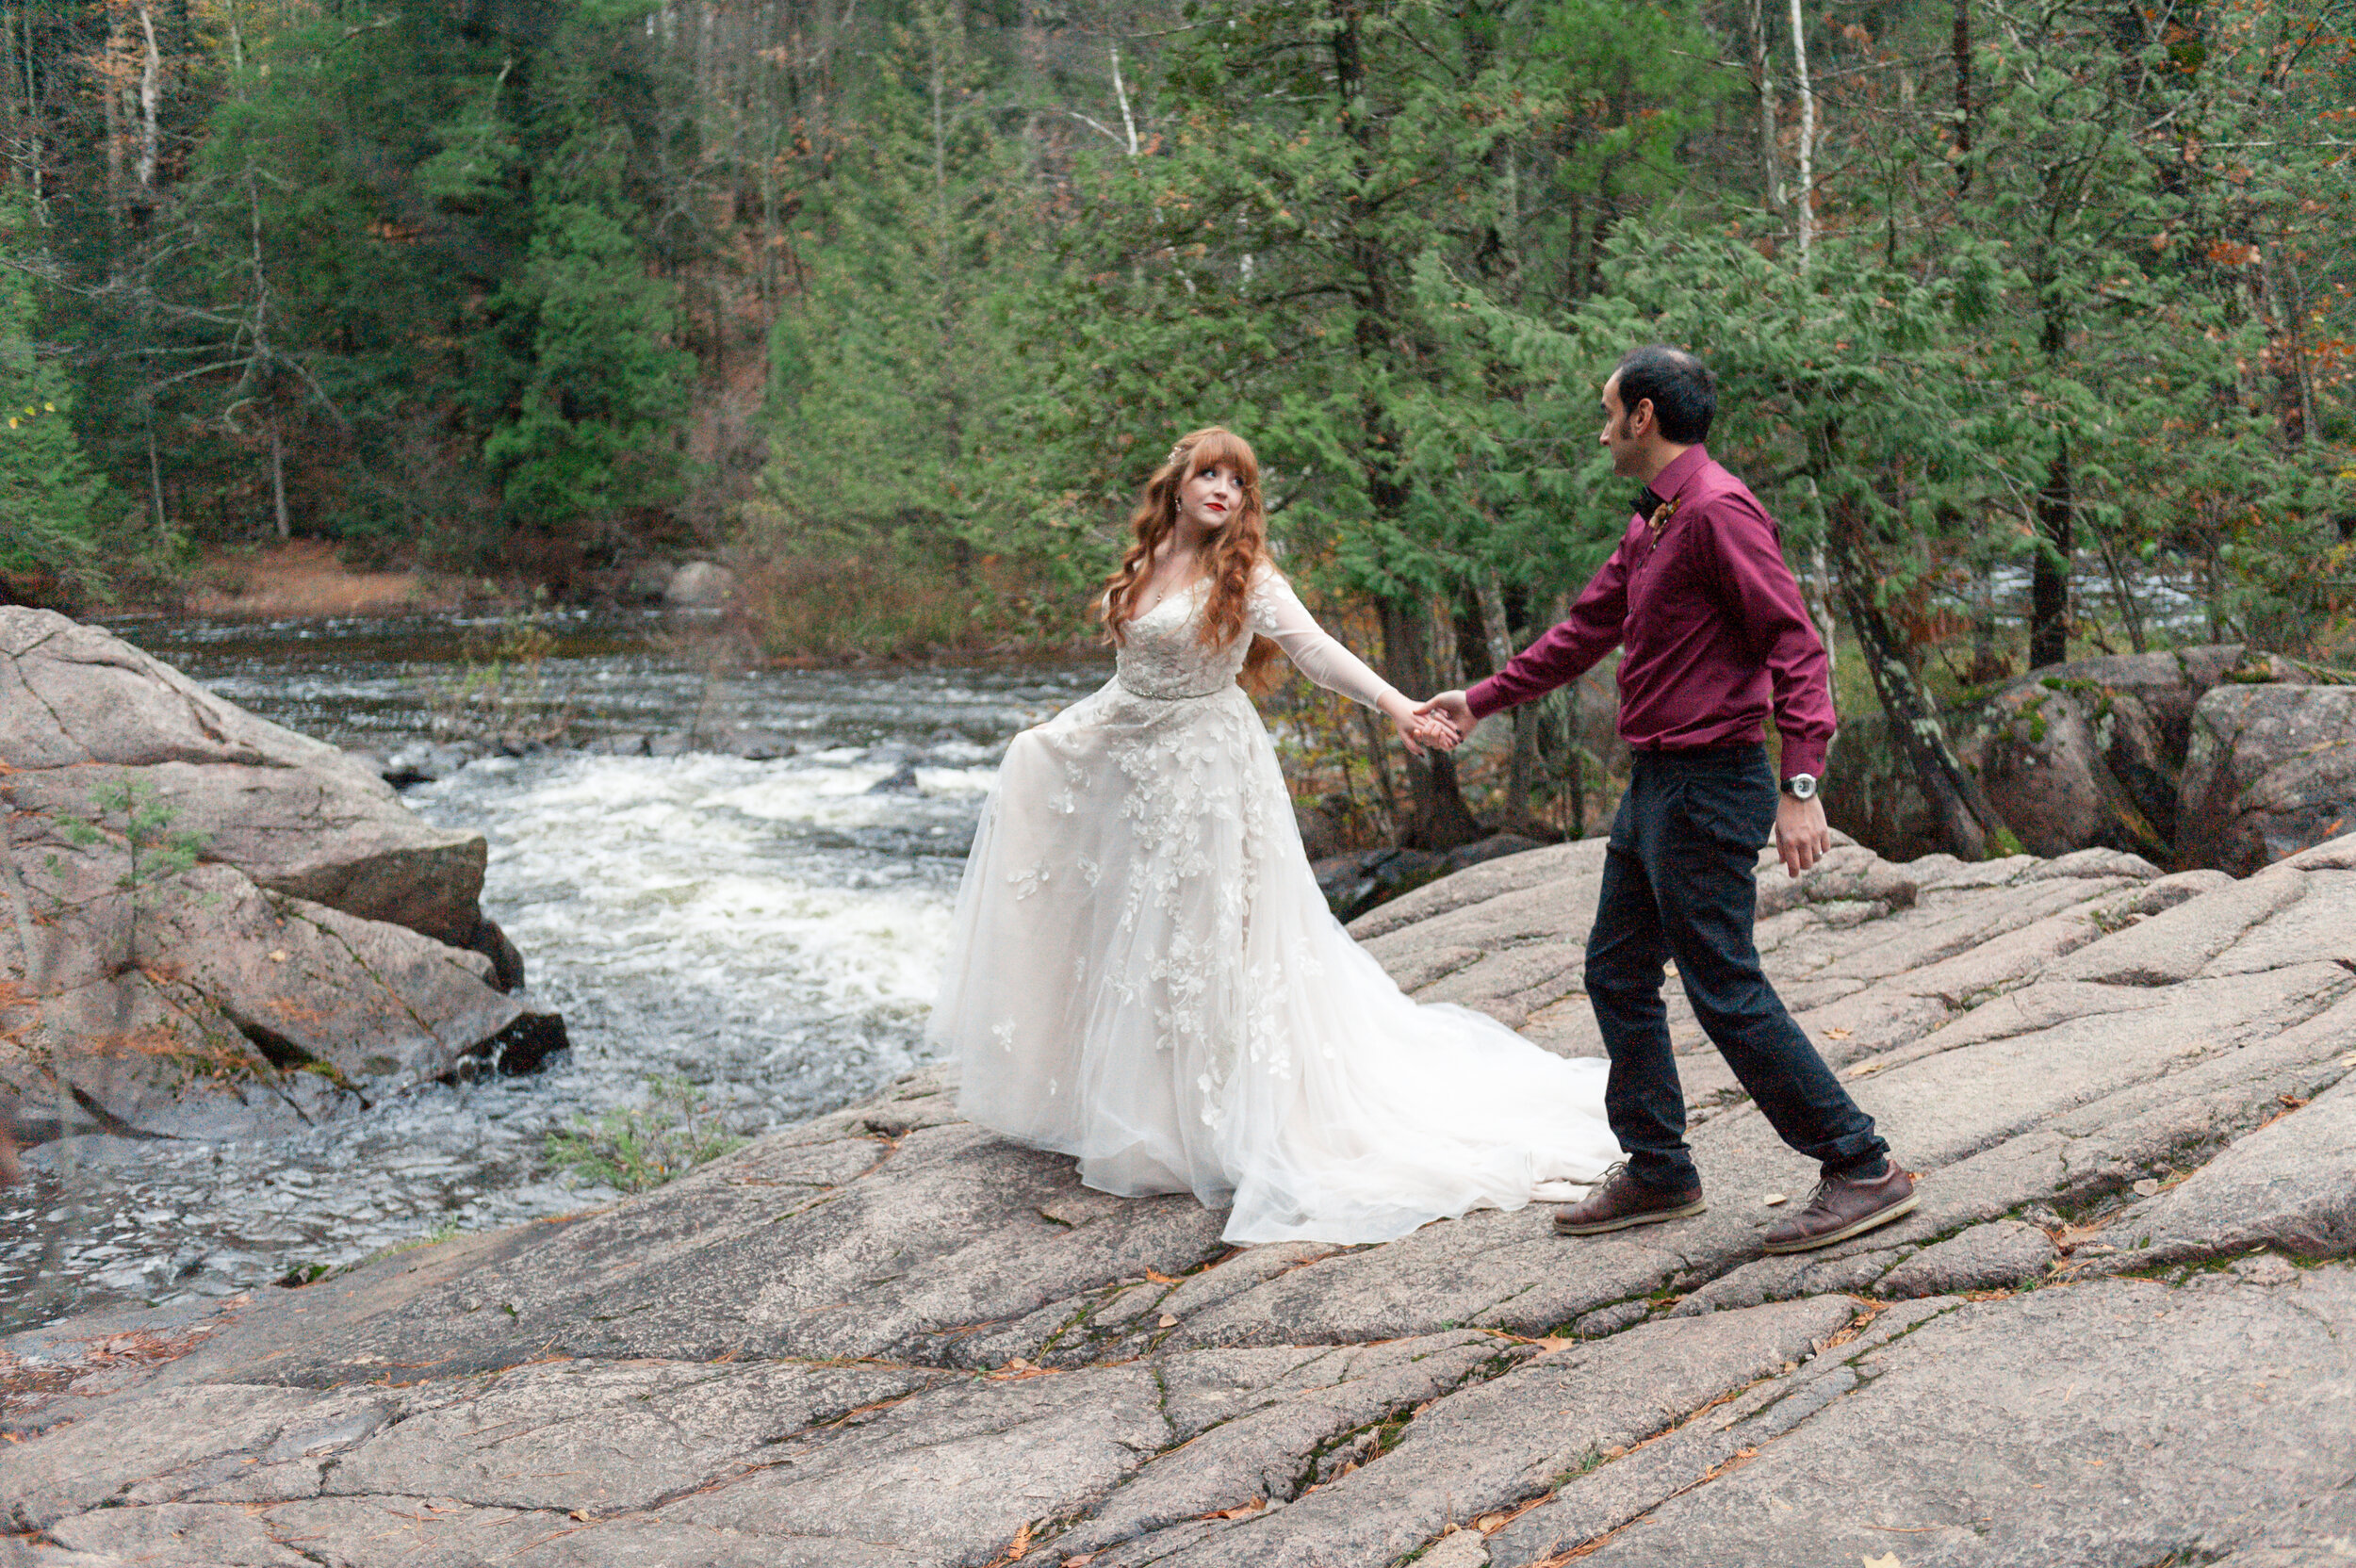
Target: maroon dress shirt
{"x":1715,"y":633}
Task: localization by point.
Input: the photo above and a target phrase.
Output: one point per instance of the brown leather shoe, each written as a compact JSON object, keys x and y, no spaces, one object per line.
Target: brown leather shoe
{"x":1621,"y":1201}
{"x":1844,"y":1207}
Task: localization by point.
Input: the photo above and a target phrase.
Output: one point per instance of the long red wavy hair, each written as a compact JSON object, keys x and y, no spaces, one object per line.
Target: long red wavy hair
{"x":1234,"y":554}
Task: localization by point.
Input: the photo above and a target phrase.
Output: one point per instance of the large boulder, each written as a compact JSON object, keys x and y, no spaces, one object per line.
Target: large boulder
{"x":1872,"y":795}
{"x":2270,"y":771}
{"x":2040,"y":750}
{"x":83,"y":713}
{"x":197,"y":1003}
{"x":2082,"y":755}
{"x":700,"y":585}
{"x":2138,"y":710}
{"x":217,"y":925}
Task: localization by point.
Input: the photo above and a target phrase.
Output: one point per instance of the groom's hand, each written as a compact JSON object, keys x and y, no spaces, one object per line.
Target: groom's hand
{"x":1801,"y":835}
{"x":1450,"y":709}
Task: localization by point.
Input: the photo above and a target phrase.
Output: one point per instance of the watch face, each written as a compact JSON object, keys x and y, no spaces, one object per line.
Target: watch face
{"x":1800,"y":786}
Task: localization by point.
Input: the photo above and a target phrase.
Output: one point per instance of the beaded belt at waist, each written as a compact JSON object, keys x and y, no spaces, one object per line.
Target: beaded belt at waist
{"x":1136,"y":690}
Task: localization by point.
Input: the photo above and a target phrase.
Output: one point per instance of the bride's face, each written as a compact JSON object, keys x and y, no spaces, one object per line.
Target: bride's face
{"x":1211,"y":497}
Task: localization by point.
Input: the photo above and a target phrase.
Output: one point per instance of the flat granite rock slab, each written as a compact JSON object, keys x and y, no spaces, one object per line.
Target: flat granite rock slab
{"x":1511,"y":1439}
{"x":1250,"y":1425}
{"x":1994,"y":1257}
{"x":158,"y":1446}
{"x":2290,"y":1184}
{"x":2122,"y":1423}
{"x":953,"y":1476}
{"x":885,"y":1337}
{"x":178,"y":1532}
{"x":952,"y":1232}
{"x":609,"y":1436}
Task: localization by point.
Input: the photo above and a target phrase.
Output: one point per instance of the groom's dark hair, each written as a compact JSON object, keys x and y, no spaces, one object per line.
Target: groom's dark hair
{"x":1684,"y":394}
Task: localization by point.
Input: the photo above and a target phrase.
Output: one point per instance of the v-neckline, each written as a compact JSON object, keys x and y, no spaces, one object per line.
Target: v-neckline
{"x":1187,"y":592}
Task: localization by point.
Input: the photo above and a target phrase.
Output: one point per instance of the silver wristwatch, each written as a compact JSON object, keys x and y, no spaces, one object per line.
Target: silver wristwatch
{"x":1801,"y":786}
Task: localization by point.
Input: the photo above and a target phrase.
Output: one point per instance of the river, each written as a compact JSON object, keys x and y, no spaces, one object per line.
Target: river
{"x":768,"y":930}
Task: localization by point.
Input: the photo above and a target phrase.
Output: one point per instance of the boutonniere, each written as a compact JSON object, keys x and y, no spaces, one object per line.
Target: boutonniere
{"x":1661,"y":515}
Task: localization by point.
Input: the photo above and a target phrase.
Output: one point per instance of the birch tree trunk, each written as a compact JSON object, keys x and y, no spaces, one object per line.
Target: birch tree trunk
{"x":1804,"y":199}
{"x":278,"y":477}
{"x":1763,"y":83}
{"x":151,"y":97}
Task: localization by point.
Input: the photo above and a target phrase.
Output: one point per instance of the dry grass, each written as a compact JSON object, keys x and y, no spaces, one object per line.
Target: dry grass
{"x":303,"y":578}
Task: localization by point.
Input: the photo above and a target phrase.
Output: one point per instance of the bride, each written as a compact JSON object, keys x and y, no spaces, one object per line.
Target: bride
{"x":1143,"y":972}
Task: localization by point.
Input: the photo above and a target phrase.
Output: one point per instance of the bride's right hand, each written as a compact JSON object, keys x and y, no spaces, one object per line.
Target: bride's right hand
{"x":1417,"y":730}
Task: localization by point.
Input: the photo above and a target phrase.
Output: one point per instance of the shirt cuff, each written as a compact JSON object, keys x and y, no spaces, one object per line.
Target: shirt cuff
{"x":1484,"y":699}
{"x":1800,"y":757}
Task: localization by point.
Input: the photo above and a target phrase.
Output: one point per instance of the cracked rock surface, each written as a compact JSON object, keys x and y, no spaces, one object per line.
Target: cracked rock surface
{"x":311,"y":937}
{"x":2120,"y":1329}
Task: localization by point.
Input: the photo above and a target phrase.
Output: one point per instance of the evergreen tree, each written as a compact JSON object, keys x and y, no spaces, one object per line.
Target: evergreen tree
{"x":51,"y":498}
{"x":890,"y":374}
{"x":1261,"y":273}
{"x":599,"y":381}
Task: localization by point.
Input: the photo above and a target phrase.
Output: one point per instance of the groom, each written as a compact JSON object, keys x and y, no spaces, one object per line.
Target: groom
{"x":1715,"y":636}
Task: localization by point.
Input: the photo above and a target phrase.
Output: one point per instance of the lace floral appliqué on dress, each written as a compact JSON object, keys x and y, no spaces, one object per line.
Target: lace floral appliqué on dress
{"x":1143,"y":974}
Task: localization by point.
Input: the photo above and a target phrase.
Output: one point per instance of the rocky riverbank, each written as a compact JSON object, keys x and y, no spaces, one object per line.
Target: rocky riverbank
{"x":2220,"y":756}
{"x":217,"y":926}
{"x":2121,"y":1330}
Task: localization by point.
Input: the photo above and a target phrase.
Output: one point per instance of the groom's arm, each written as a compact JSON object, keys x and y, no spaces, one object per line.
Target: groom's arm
{"x":1567,"y":652}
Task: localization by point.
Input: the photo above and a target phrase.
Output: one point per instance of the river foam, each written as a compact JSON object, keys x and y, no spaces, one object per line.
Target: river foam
{"x":769,"y":931}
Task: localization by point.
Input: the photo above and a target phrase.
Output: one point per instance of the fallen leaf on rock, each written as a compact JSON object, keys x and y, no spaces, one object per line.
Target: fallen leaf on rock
{"x":277,"y":955}
{"x":1167,"y":1322}
{"x":1888,"y":1560}
{"x":1774,"y":1197}
{"x":581,"y":1514}
{"x":1866,"y":1069}
{"x":1837,"y":1033}
{"x":2146,"y":1187}
{"x":1244,"y":1511}
{"x":1160,"y":1279}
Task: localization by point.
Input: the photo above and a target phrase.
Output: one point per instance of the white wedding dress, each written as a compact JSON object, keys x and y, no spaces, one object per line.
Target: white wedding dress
{"x":1143,"y":974}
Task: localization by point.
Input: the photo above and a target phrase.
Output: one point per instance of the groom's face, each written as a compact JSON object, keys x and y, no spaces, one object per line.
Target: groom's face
{"x":1619,"y":435}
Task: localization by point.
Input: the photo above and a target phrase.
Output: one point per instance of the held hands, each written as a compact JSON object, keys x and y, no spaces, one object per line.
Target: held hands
{"x":1417,"y":728}
{"x":1449,"y":714}
{"x":1801,"y":836}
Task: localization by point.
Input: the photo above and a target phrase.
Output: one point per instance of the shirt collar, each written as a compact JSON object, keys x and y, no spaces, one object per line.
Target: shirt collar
{"x":1666,"y":484}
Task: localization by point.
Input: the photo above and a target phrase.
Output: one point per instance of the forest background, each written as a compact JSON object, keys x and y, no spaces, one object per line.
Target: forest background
{"x":2032,"y":316}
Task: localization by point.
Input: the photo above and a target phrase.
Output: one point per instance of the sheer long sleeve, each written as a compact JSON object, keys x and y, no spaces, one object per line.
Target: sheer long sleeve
{"x":1277,"y":613}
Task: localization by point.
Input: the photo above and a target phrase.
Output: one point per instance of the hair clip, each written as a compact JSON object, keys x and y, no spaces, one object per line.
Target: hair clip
{"x":1175,"y":452}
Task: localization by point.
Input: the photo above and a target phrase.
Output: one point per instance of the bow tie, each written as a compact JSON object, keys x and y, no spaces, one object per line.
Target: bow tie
{"x":1654,"y":509}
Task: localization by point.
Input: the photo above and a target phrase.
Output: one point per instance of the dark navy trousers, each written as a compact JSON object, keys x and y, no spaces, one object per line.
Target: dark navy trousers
{"x":1680,"y":881}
